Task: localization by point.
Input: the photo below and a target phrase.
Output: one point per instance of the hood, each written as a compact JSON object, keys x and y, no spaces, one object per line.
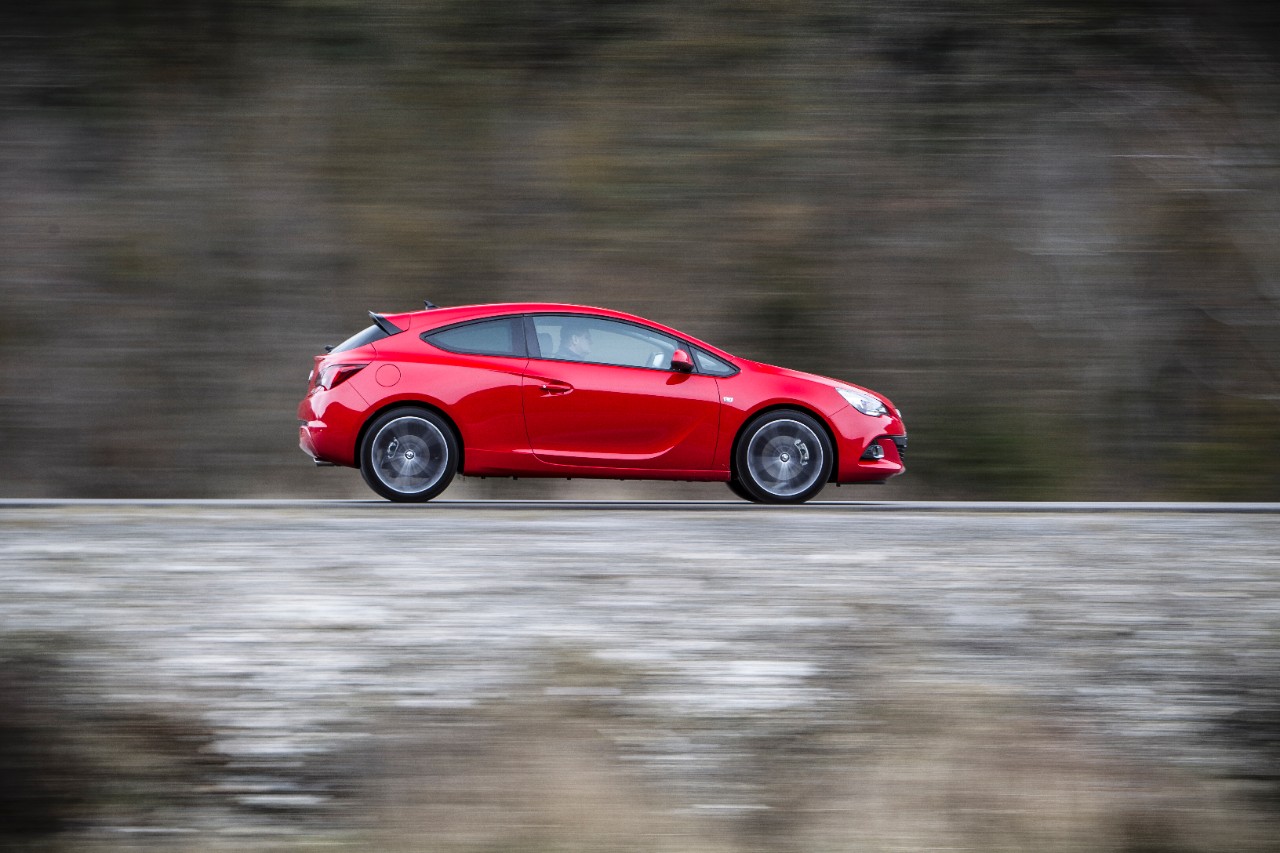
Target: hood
{"x":774,"y":370}
{"x":788,"y":373}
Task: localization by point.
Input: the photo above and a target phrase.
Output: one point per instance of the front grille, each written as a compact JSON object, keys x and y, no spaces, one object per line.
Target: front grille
{"x":901,"y":441}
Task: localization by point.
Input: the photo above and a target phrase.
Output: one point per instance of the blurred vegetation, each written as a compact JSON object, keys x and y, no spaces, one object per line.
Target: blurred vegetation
{"x":558,"y":765}
{"x":1046,"y":230}
{"x":78,"y":765}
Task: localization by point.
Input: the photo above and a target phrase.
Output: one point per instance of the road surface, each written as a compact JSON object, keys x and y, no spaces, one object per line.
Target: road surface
{"x":287,"y":629}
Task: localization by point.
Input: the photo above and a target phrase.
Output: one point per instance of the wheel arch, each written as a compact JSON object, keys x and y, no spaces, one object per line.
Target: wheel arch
{"x":412,"y":404}
{"x":788,"y":407}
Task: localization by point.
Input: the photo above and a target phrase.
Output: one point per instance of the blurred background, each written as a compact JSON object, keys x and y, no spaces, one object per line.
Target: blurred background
{"x":1047,"y":230}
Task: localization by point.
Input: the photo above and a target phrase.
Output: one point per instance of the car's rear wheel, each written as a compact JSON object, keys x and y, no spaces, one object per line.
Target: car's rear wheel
{"x":783,"y":456}
{"x":409,"y":455}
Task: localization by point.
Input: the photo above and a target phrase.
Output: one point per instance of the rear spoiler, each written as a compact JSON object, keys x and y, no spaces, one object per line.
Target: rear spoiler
{"x":384,"y":324}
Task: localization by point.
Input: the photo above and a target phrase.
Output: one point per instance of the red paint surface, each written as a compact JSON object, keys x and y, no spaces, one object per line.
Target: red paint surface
{"x":543,"y":417}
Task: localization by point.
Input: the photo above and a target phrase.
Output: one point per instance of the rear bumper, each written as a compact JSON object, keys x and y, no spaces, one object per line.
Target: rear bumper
{"x":308,"y":446}
{"x":329,"y":426}
{"x":307,"y":434}
{"x":317,"y":440}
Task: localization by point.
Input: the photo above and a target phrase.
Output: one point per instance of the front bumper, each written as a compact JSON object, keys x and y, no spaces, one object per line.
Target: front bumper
{"x":855,"y":433}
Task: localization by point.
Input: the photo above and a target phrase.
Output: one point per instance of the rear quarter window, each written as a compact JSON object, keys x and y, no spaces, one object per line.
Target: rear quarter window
{"x":504,"y":336}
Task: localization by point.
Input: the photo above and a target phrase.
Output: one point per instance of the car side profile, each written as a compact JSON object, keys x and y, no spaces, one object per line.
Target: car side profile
{"x":552,"y":390}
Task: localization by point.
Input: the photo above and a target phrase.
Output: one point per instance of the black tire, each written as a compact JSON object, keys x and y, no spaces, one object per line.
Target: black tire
{"x":783,"y":456}
{"x":737,"y":489}
{"x":409,"y":455}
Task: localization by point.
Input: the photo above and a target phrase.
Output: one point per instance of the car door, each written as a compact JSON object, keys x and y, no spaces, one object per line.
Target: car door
{"x":601,"y":393}
{"x":474,"y":371}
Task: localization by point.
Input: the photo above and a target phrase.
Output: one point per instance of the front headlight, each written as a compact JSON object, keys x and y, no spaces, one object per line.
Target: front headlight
{"x":864,"y":403}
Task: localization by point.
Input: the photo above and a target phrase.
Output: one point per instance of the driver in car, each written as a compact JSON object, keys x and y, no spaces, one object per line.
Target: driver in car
{"x":575,"y":342}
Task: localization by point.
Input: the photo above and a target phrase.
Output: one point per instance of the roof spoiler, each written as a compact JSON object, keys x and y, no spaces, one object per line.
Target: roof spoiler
{"x":384,"y":324}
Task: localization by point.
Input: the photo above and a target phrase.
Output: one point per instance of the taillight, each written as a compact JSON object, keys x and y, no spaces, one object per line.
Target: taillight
{"x":335,"y":374}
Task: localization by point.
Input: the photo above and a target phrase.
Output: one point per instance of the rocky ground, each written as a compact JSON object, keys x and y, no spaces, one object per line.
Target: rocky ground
{"x":742,"y":678}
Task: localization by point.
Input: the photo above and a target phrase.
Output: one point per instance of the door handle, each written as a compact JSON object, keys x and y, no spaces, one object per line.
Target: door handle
{"x":555,"y":388}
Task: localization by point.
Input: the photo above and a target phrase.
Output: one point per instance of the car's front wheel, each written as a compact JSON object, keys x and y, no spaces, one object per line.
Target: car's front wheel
{"x":783,"y":456}
{"x":409,"y":455}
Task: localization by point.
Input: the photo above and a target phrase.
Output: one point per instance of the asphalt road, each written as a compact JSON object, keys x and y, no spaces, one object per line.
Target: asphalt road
{"x":287,"y":627}
{"x":676,"y":505}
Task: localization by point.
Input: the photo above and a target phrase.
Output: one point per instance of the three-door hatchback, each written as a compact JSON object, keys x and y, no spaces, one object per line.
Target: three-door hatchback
{"x":548,"y":390}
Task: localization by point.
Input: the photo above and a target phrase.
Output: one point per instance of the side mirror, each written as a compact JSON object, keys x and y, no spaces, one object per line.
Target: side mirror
{"x":681,"y":362}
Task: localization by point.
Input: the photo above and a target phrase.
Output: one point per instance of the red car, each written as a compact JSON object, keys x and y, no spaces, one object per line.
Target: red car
{"x":545,"y":390}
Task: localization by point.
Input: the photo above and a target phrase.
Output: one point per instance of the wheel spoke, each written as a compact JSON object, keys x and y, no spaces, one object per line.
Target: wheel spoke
{"x":785,"y":457}
{"x":410,"y":454}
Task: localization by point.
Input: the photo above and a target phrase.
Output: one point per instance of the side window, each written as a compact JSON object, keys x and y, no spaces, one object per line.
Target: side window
{"x":504,"y":336}
{"x":574,"y":337}
{"x":707,"y":363}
